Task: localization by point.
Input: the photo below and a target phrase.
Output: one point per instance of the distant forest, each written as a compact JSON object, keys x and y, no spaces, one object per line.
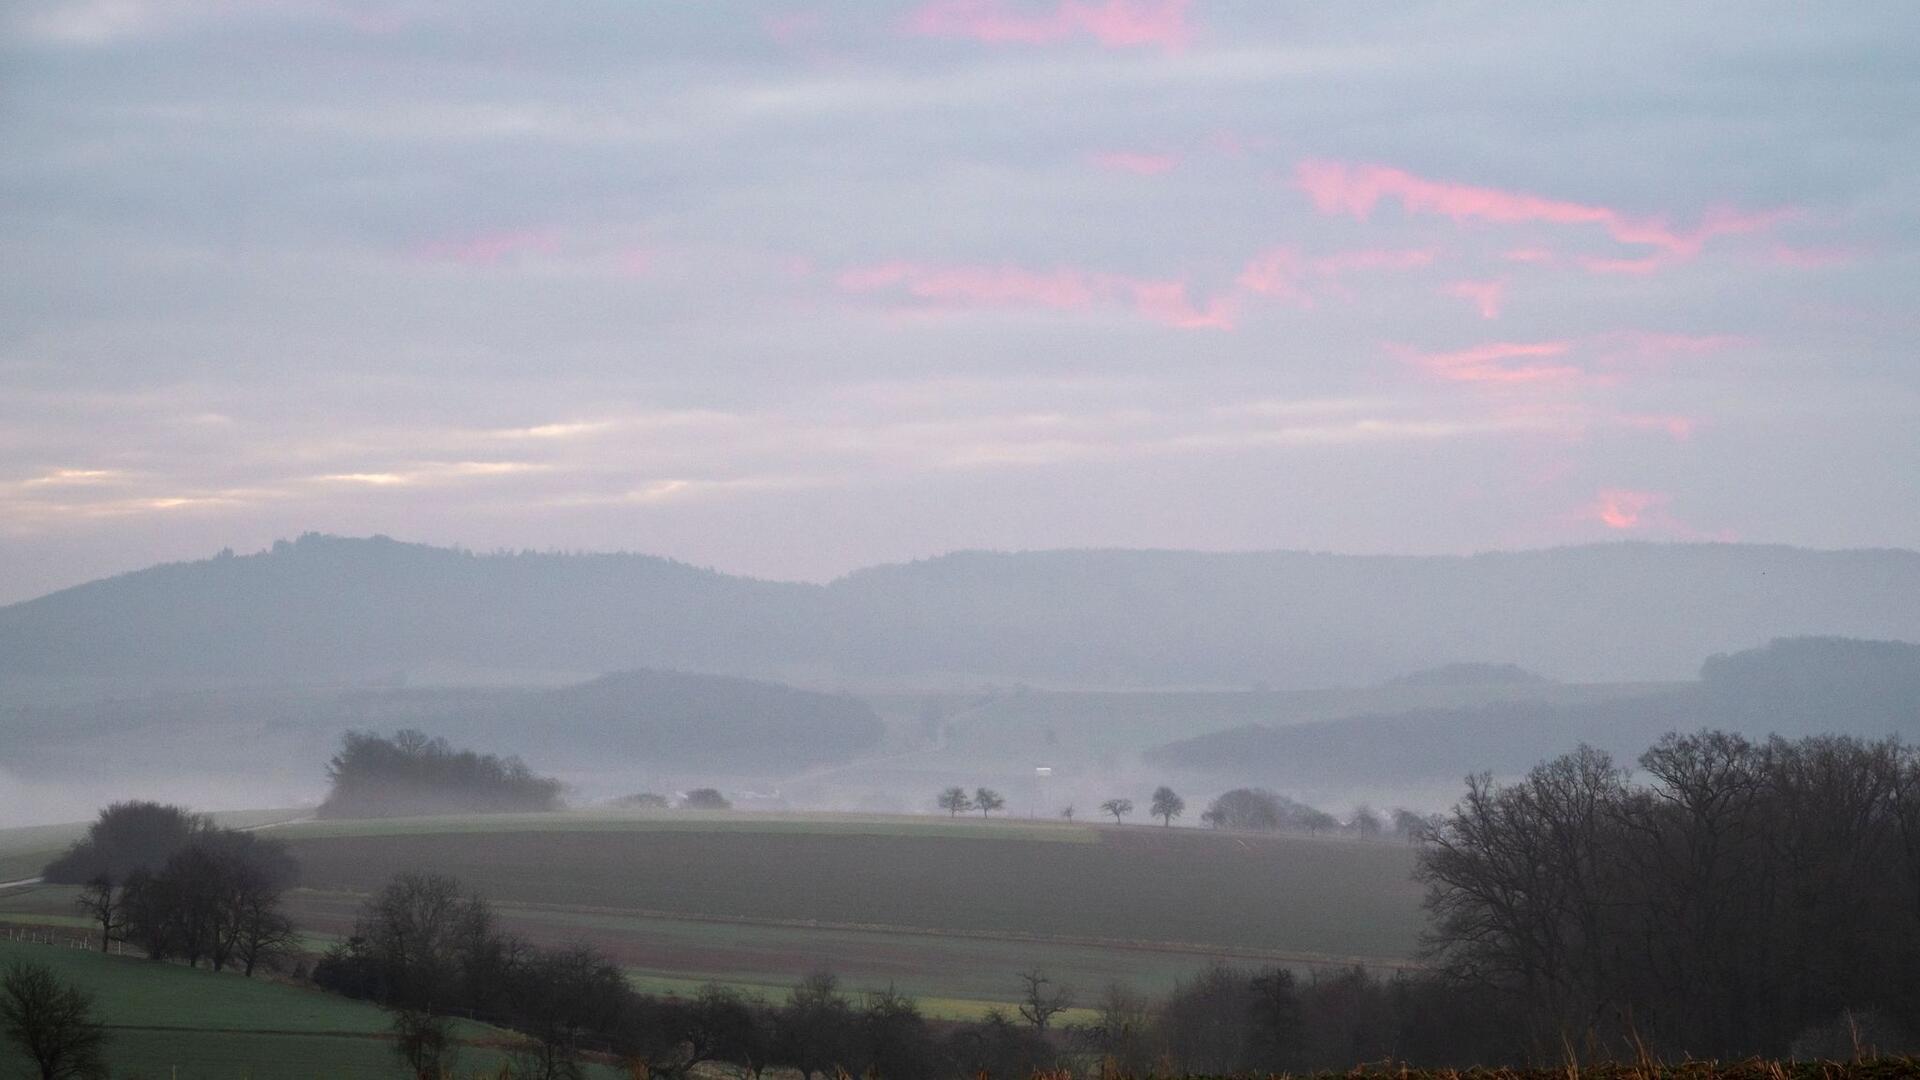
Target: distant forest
{"x":1791,"y":687}
{"x":412,"y":774}
{"x":331,"y":607}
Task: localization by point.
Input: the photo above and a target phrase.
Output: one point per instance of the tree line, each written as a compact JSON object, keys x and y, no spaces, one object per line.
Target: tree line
{"x":1243,"y":809}
{"x":1745,"y":897}
{"x":177,"y":886}
{"x":431,"y":953}
{"x":412,"y":774}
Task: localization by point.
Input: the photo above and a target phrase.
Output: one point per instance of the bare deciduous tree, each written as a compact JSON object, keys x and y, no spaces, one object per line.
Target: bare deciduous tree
{"x":1119,"y":808}
{"x":1041,"y":1000}
{"x":101,"y":900}
{"x":52,"y":1023}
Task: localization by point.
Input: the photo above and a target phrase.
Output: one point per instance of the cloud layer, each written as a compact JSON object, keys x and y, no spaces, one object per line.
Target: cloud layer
{"x":791,"y":288}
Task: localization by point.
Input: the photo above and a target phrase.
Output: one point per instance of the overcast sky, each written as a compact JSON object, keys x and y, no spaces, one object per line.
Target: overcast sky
{"x":791,"y":288}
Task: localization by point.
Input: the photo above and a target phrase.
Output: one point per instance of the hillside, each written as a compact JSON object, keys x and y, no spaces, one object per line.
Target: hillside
{"x":651,"y":725}
{"x":332,"y":608}
{"x":167,"y":1019}
{"x":1793,"y":687}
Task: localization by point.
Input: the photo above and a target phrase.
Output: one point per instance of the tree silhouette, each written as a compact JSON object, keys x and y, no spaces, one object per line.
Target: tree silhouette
{"x":1119,"y":808}
{"x":955,"y":801}
{"x":53,"y":1024}
{"x":988,"y":800}
{"x":1167,"y":805}
{"x":1038,"y":1003}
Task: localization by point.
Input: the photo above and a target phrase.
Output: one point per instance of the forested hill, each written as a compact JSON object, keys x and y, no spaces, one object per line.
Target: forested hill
{"x":1795,"y":688}
{"x":351,"y":608}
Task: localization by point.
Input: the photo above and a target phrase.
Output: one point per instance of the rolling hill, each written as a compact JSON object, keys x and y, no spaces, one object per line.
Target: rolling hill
{"x":1792,"y":687}
{"x":328,"y":608}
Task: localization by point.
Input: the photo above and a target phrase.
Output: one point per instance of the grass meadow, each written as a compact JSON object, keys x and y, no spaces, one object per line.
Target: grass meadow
{"x":165,"y":1020}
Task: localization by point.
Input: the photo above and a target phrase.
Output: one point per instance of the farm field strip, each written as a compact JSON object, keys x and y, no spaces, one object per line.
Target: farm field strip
{"x":683,"y":821}
{"x":610,"y":917}
{"x":1270,"y":896}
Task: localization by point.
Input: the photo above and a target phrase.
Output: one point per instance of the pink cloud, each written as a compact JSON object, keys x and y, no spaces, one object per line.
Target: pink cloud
{"x":1618,"y":508}
{"x":487,"y":249}
{"x":1114,"y":24}
{"x":1494,"y":362}
{"x":1529,"y":255}
{"x":1283,"y":273}
{"x":1610,"y":358}
{"x":1651,"y":264}
{"x":1338,"y":188}
{"x":1166,"y":302}
{"x":961,"y":286}
{"x":1485,"y":296}
{"x":1137,"y":163}
{"x":1277,"y":273}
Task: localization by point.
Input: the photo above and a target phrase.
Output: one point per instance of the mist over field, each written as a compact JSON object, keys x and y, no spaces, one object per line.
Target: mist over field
{"x":924,"y":539}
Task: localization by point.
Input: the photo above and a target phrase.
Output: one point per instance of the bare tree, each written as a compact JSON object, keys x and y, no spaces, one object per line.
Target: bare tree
{"x":1041,"y":1000}
{"x":1167,"y":805}
{"x":1119,"y":808}
{"x":101,"y":900}
{"x":1366,"y":823}
{"x":263,"y":936}
{"x":955,"y":801}
{"x":52,"y":1023}
{"x":988,"y":800}
{"x":1067,"y":812}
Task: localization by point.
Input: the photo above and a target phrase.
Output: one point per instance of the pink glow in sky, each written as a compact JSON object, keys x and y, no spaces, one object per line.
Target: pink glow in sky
{"x":1166,"y":302}
{"x":799,"y":258}
{"x":1339,"y":188}
{"x":1485,"y":296}
{"x":1497,"y":362}
{"x":1622,"y":509}
{"x":1136,"y":162}
{"x":966,"y":286}
{"x":982,"y":286}
{"x":1114,"y":24}
{"x":489,"y":248}
{"x":1284,"y":273}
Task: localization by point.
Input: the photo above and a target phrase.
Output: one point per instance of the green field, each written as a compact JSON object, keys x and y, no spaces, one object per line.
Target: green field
{"x":946,"y":910}
{"x":168,"y":1020}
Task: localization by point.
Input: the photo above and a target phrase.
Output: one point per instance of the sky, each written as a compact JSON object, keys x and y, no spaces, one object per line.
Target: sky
{"x":792,"y":288}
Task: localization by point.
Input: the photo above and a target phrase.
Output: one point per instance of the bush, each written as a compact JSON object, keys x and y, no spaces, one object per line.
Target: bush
{"x":705,"y":798}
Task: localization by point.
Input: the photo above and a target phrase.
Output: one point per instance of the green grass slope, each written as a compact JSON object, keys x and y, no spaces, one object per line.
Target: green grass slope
{"x":168,"y":1020}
